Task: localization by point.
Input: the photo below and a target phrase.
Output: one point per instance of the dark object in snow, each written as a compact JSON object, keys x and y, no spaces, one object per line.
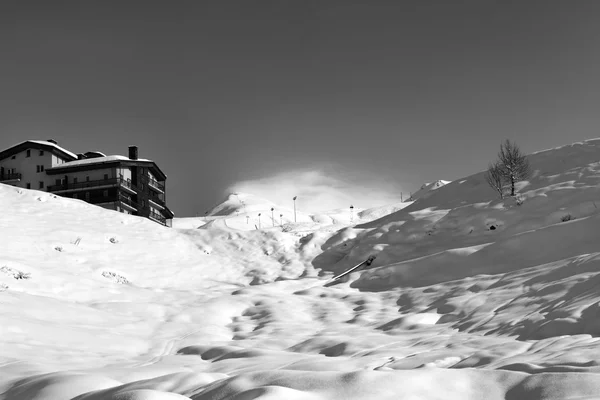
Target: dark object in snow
{"x":120,"y":279}
{"x":336,"y":279}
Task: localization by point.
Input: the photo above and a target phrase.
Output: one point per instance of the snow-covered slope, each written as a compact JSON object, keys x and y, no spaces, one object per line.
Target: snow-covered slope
{"x":241,"y":211}
{"x":238,"y":203}
{"x":470,"y":297}
{"x":461,"y":233}
{"x":427,"y":188}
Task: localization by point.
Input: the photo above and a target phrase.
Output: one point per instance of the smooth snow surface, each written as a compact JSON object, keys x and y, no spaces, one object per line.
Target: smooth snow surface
{"x":470,"y":297}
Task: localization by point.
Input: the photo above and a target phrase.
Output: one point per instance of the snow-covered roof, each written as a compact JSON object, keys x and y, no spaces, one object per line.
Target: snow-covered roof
{"x":45,"y":143}
{"x":97,"y":160}
{"x":96,"y":153}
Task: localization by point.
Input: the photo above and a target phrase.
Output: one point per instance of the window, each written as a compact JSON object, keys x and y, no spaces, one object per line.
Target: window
{"x":37,"y":168}
{"x":13,"y":157}
{"x":105,"y":193}
{"x":87,"y":178}
{"x":74,"y":180}
{"x":41,"y":185}
{"x":75,"y":196}
{"x":87,"y":196}
{"x":29,"y":186}
{"x":28,"y":153}
{"x":105,"y":177}
{"x":58,"y":181}
{"x":143,"y":203}
{"x":41,"y":168}
{"x":41,"y":152}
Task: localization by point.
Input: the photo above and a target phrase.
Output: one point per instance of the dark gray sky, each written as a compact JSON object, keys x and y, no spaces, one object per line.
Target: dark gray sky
{"x":384,"y":95}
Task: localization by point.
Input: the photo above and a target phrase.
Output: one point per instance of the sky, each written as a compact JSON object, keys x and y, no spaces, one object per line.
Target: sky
{"x":373,"y":98}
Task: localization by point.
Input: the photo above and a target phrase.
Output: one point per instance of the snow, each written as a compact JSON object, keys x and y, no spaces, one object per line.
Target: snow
{"x":45,"y":142}
{"x":240,"y":211}
{"x":427,"y":188}
{"x":96,"y":160}
{"x":470,"y":296}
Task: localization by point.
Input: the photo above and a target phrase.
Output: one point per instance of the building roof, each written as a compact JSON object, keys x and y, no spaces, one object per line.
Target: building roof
{"x":92,"y":154}
{"x":98,"y":160}
{"x":17,"y":148}
{"x":91,"y":163}
{"x":73,"y":162}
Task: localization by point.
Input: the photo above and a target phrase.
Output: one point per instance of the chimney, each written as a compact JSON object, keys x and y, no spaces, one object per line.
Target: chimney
{"x":52,"y":141}
{"x":133,"y":152}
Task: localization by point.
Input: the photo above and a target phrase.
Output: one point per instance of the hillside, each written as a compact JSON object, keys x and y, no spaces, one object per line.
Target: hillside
{"x":240,"y":211}
{"x":427,"y":189}
{"x":487,"y":298}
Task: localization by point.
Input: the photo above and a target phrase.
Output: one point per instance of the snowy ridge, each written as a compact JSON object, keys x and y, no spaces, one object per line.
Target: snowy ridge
{"x":240,"y":211}
{"x":427,"y":188}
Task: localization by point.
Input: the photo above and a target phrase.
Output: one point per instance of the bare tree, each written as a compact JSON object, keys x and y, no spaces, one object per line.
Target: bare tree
{"x":495,"y":178}
{"x":514,"y":164}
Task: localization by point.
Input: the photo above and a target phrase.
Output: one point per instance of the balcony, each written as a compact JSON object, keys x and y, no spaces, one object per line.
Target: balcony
{"x":71,"y":186}
{"x":10,"y":177}
{"x":158,"y":218}
{"x":120,"y":200}
{"x":155,"y":184}
{"x":127,"y":201}
{"x":158,"y":200}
